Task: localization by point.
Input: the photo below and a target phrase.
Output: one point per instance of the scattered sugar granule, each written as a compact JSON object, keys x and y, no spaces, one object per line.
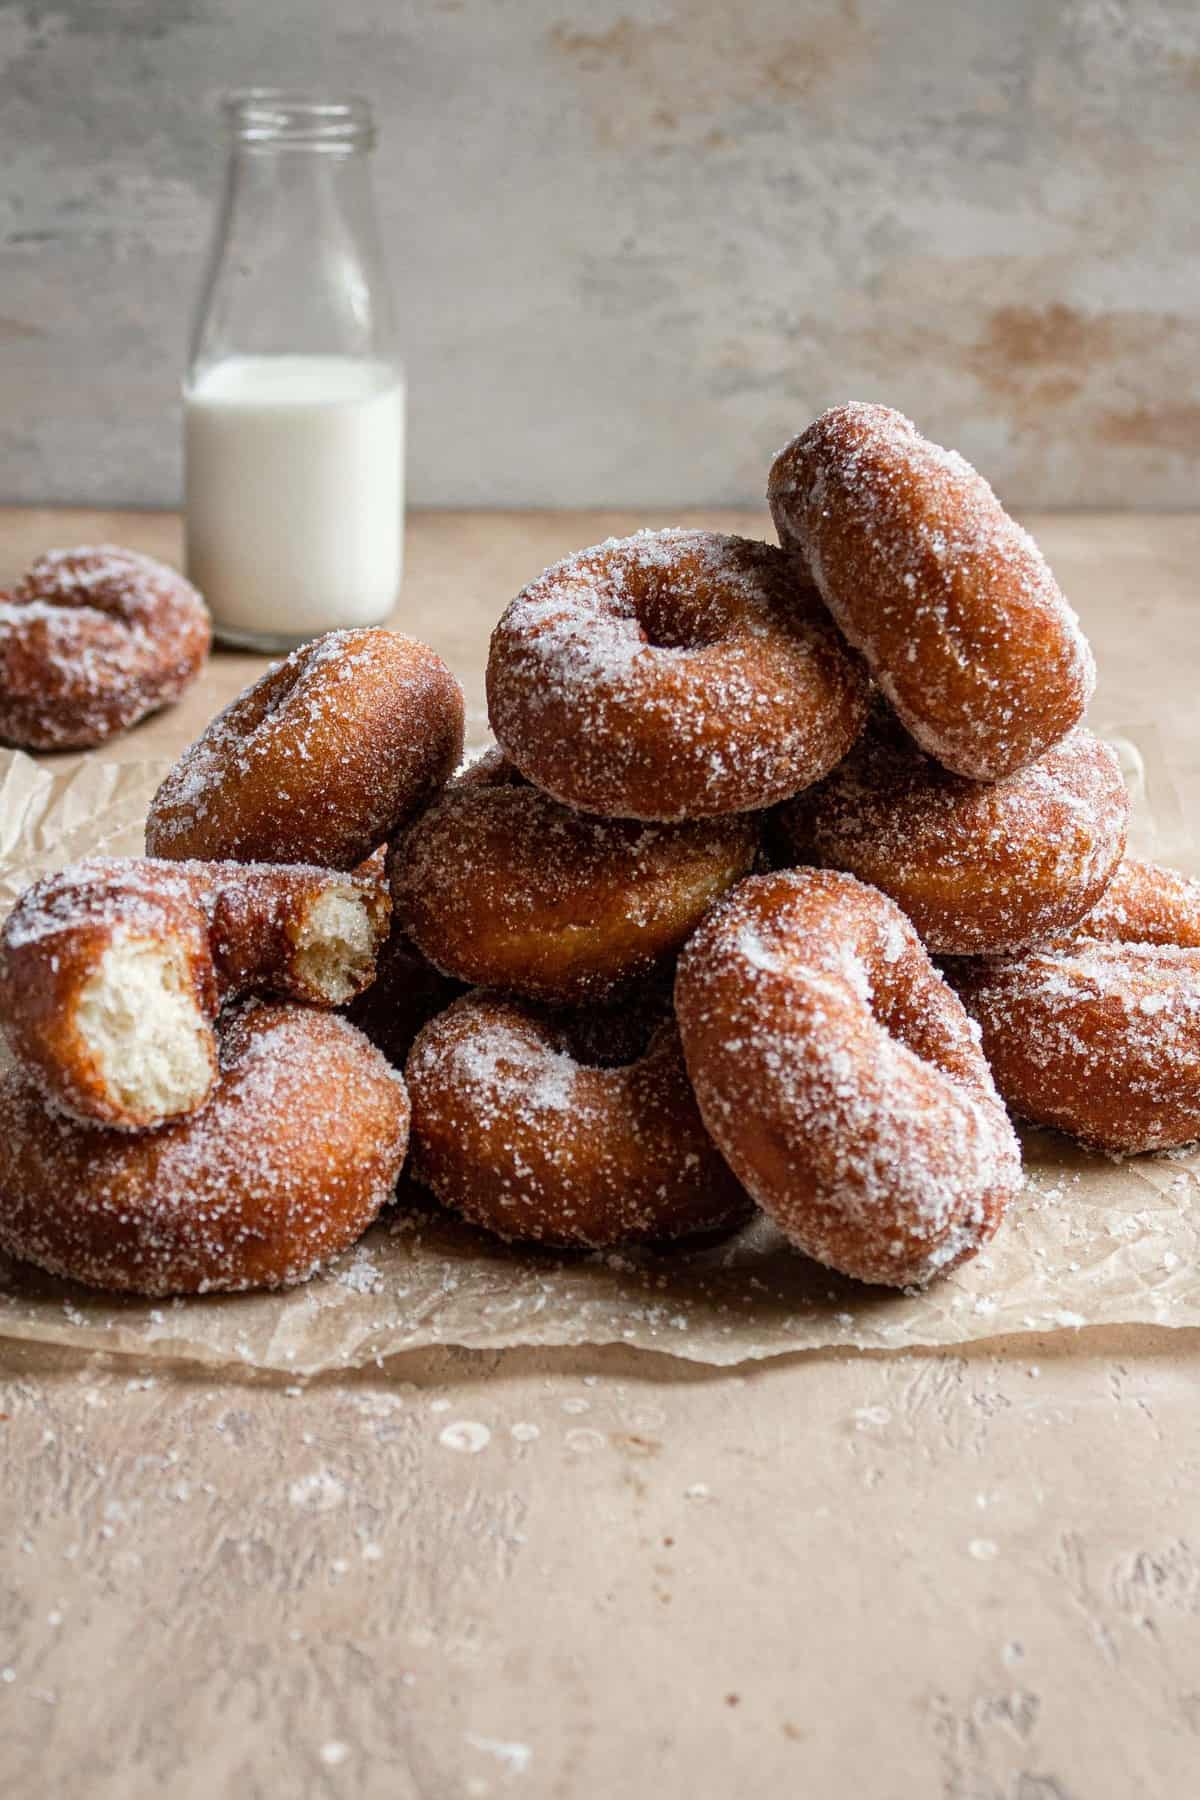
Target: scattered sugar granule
{"x":318,"y":1492}
{"x":467,"y":1435}
{"x":583,"y":1438}
{"x":515,"y":1757}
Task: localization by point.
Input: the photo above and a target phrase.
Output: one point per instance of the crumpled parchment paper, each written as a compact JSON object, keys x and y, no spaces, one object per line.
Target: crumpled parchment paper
{"x":1090,"y":1242}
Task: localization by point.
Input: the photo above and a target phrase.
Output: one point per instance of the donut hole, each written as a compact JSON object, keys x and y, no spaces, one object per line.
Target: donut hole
{"x":901,"y":1007}
{"x":144,"y":1031}
{"x":609,"y":1038}
{"x":336,"y":942}
{"x":673,"y":615}
{"x":904,"y":1017}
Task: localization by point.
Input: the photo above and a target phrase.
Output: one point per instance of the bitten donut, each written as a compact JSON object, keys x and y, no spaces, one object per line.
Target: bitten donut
{"x":289,"y":1162}
{"x":672,"y":675}
{"x":501,"y":886}
{"x":318,"y":761}
{"x":841,"y":1078}
{"x":1098,"y":1035}
{"x":949,"y":600}
{"x":979,"y":867}
{"x":112,"y":972}
{"x":91,"y":640}
{"x":577,"y":1131}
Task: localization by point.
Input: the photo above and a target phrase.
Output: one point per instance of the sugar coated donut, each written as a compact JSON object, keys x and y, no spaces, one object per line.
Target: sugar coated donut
{"x":949,"y":600}
{"x":293,"y":1156}
{"x":672,"y":675}
{"x":501,"y":886}
{"x":1098,"y":1035}
{"x":91,"y":640}
{"x":841,"y":1078}
{"x":979,"y":867}
{"x":112,"y":972}
{"x":1145,"y":903}
{"x":319,"y":760}
{"x":565,"y":1130}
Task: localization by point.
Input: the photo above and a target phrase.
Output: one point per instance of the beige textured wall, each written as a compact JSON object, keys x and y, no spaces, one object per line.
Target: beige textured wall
{"x":637,"y":244}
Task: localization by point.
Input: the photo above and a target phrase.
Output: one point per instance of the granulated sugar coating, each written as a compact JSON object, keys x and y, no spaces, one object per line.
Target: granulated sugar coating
{"x":671,"y":675}
{"x":91,"y":640}
{"x":113,"y":970}
{"x":1099,"y":1034}
{"x":980,"y":868}
{"x":842,"y":1079}
{"x":287,"y":1164}
{"x":1147,"y":904}
{"x":319,"y":760}
{"x":502,"y":886}
{"x":949,"y":600}
{"x":573,"y":1132}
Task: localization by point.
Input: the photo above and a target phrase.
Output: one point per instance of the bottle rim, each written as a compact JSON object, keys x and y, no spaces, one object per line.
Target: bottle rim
{"x":264,"y":115}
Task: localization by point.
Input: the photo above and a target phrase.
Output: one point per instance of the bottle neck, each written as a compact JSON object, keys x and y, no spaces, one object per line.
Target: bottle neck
{"x":280,"y":118}
{"x":297,"y":266}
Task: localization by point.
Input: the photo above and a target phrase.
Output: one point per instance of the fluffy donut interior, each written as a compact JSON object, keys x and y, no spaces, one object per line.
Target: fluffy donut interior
{"x":148,"y":1038}
{"x":336,"y":941}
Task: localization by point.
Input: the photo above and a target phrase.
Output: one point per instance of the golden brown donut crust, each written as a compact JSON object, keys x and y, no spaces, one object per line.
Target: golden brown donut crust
{"x":1145,"y":903}
{"x":91,"y":640}
{"x":319,"y":760}
{"x":501,"y":886}
{"x":949,"y":600}
{"x":672,"y":675}
{"x":841,"y":1078}
{"x":230,"y":929}
{"x":288,"y":1164}
{"x":1098,"y":1034}
{"x":574,"y":1132}
{"x":981,"y":868}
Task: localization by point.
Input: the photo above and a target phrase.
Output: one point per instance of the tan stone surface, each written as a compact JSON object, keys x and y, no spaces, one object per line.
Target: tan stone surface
{"x":974,"y":1576}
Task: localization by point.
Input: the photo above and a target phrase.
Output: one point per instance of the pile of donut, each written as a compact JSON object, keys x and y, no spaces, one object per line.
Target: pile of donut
{"x":662,"y":956}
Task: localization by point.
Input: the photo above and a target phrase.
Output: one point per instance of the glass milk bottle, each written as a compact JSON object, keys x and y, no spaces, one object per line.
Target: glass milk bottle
{"x":294,"y":397}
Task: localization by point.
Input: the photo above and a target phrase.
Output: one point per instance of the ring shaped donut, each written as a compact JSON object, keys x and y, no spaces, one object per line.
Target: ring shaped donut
{"x":672,"y":675}
{"x":113,"y":971}
{"x":503,"y":887}
{"x":1146,"y":903}
{"x":573,"y":1131}
{"x":981,"y":868}
{"x":841,"y":1078}
{"x":289,"y":1162}
{"x":319,"y":760}
{"x":91,"y":641}
{"x":949,"y":600}
{"x":1098,"y":1035}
